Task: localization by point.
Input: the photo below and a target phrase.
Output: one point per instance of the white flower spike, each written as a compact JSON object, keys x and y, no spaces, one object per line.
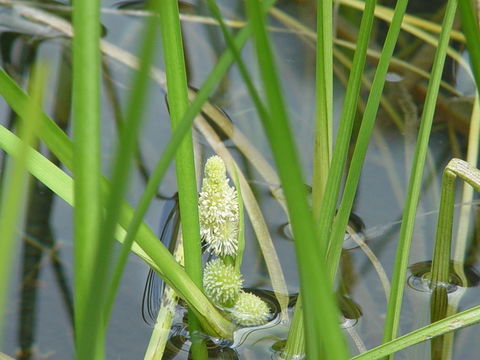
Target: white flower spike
{"x":250,"y":310}
{"x":222,"y":283}
{"x":218,"y":209}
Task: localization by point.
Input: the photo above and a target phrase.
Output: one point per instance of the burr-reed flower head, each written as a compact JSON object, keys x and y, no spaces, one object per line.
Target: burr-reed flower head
{"x":222,"y":283}
{"x":250,"y":310}
{"x":218,"y":209}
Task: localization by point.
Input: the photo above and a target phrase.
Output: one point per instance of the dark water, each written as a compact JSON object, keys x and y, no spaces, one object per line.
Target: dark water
{"x":39,"y":313}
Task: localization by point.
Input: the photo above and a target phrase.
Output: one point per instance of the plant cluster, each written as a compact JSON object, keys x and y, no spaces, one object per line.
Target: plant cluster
{"x":219,"y":226}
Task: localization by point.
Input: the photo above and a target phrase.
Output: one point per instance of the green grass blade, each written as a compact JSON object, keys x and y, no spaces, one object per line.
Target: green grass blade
{"x":177,"y":95}
{"x":15,"y":188}
{"x":363,"y":140}
{"x":321,"y":313}
{"x":295,"y":345}
{"x":413,"y":193}
{"x":178,"y":104}
{"x":86,"y":112}
{"x":449,"y":324}
{"x":324,"y":102}
{"x":39,"y":166}
{"x":330,"y":198}
{"x":472,"y":35}
{"x":443,"y":240}
{"x":126,"y":151}
{"x":49,"y":132}
{"x":86,"y":169}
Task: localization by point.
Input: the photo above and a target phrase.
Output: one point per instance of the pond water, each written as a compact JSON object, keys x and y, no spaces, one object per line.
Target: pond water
{"x":39,"y":313}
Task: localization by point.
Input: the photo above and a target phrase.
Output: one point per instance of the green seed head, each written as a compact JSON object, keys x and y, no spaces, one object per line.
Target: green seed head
{"x":250,"y":310}
{"x":222,"y":283}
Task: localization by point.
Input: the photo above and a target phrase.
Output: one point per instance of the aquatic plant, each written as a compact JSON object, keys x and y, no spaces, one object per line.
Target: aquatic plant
{"x":318,"y":229}
{"x":219,"y":221}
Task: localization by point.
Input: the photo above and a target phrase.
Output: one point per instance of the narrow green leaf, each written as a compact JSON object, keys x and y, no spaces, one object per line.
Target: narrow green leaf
{"x":50,"y":133}
{"x":125,"y":152}
{"x":449,"y":324}
{"x":443,"y":240}
{"x":178,"y":104}
{"x":177,"y":95}
{"x":324,"y":102}
{"x":295,"y":345}
{"x":472,"y":35}
{"x":15,"y":188}
{"x":86,"y":168}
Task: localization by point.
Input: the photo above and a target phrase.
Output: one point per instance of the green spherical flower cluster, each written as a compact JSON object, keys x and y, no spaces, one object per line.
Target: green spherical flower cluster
{"x":218,"y":210}
{"x":222,"y":282}
{"x":250,"y":310}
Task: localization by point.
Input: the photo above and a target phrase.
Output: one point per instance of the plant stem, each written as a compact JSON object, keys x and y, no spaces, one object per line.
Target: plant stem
{"x":125,"y":153}
{"x":178,"y":104}
{"x":295,"y":345}
{"x":14,"y":189}
{"x":177,"y":95}
{"x":86,"y":169}
{"x":443,"y":240}
{"x":324,"y":103}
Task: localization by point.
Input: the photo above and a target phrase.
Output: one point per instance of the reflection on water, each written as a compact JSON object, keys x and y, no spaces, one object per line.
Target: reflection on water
{"x":154,"y":286}
{"x":39,"y":247}
{"x":420,"y":277}
{"x":39,"y":319}
{"x":178,"y":346}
